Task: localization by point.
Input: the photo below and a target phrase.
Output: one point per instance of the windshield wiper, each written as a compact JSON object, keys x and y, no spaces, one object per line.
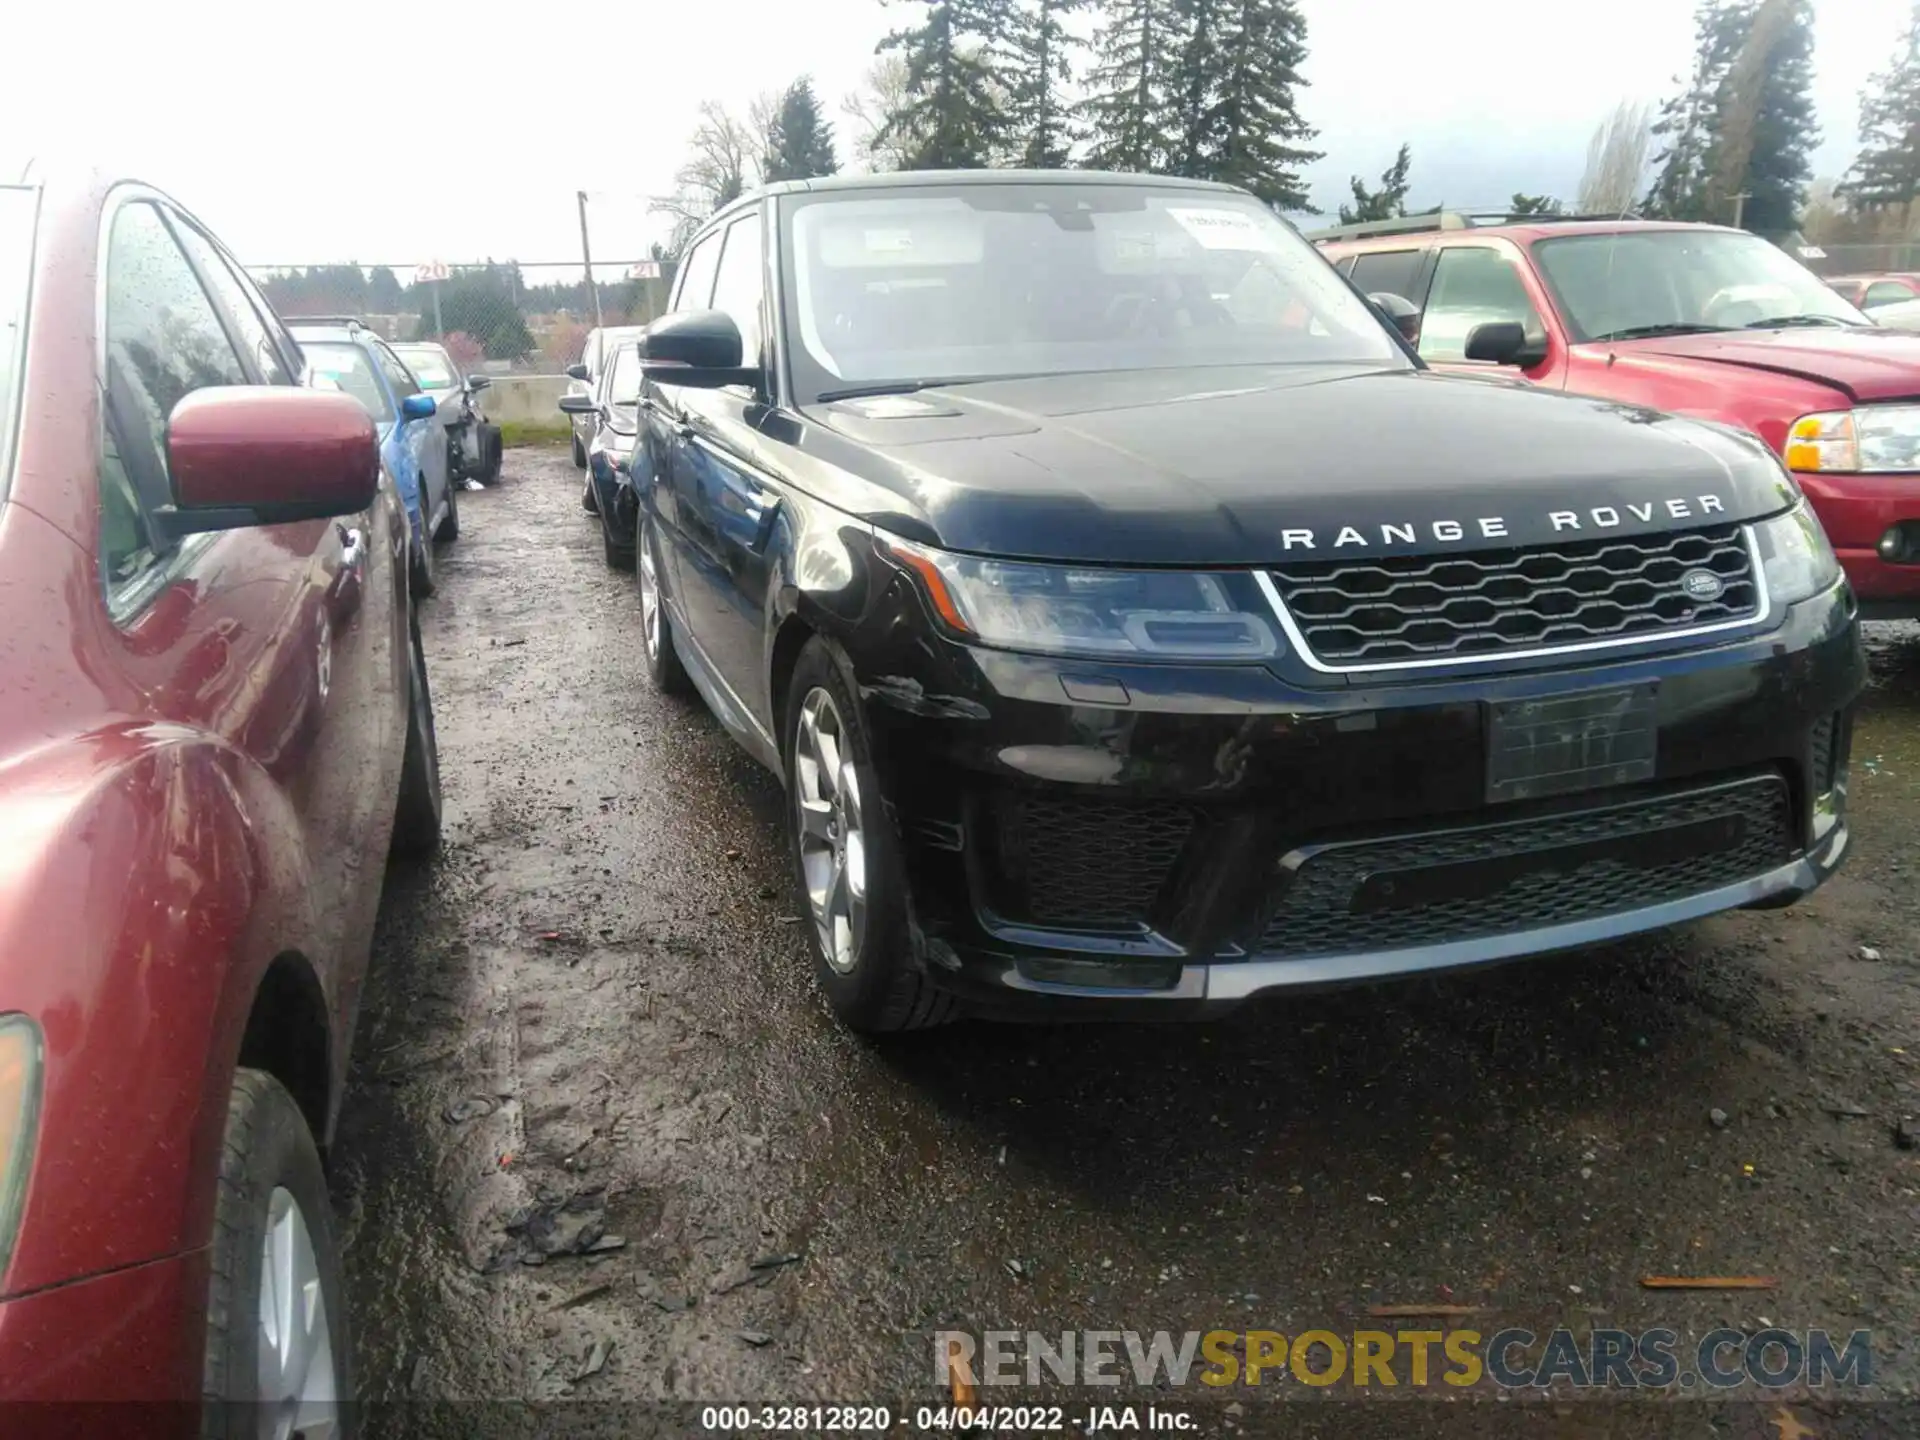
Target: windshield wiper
{"x":861,"y":392}
{"x":1782,"y":322}
{"x":1646,"y":332}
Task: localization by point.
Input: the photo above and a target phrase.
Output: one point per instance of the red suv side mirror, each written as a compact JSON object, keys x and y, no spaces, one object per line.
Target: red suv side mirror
{"x":266,"y":455}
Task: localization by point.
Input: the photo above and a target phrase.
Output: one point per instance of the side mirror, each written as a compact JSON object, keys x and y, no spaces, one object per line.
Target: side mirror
{"x":477,"y":383}
{"x":418,"y":407}
{"x":700,"y":348}
{"x":1399,"y":312}
{"x":576,"y":371}
{"x":246,"y":455}
{"x":579,"y":405}
{"x":1505,"y":342}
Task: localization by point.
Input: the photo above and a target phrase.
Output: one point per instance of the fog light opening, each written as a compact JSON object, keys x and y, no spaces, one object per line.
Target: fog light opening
{"x":1900,"y":545}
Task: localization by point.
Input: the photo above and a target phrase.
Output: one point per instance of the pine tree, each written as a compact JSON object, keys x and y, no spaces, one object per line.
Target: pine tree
{"x":1687,"y":120}
{"x":1534,"y":205}
{"x":1389,"y":202}
{"x":953,"y":105}
{"x":1887,"y":173}
{"x":1038,"y":67}
{"x":1196,"y":74}
{"x":1764,"y":126}
{"x":799,"y":142}
{"x":1126,"y":112}
{"x":1250,"y":118}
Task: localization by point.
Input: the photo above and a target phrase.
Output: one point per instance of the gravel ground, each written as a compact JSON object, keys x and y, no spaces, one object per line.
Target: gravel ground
{"x":591,"y":1024}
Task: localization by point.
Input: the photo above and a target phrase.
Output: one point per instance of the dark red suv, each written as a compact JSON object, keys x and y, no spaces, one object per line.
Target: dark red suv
{"x":1693,"y":319}
{"x":214,"y":719}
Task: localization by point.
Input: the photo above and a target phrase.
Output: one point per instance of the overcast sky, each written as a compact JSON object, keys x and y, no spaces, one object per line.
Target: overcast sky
{"x":378,"y":132}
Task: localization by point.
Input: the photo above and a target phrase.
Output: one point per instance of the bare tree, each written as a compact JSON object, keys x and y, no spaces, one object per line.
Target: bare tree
{"x":876,"y":145}
{"x":1617,"y":160}
{"x":720,"y":166}
{"x":762,"y":111}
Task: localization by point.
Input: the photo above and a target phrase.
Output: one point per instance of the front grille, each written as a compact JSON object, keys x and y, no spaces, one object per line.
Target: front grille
{"x":1070,"y":862}
{"x":1822,"y":754}
{"x":1498,"y":879}
{"x":1401,"y":608}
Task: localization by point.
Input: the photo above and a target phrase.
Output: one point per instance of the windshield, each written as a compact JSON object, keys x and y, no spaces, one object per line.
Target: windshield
{"x":623,"y":385}
{"x":17,"y":209}
{"x":1653,"y":281}
{"x":960,"y":282}
{"x":338,"y":365}
{"x":429,"y":367}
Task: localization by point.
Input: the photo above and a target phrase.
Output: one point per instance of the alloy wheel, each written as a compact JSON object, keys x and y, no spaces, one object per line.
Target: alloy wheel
{"x":833,"y":851}
{"x":298,"y":1389}
{"x":649,"y":596}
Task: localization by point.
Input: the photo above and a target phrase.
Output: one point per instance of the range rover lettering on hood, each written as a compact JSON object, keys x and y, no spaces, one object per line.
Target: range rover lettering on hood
{"x":1593,"y":520}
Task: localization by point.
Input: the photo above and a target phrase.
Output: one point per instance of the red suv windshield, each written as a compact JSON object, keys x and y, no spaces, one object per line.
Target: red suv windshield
{"x":1616,"y":286}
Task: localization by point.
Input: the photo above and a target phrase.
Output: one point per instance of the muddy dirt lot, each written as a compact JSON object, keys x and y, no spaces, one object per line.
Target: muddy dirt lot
{"x":591,"y":1028}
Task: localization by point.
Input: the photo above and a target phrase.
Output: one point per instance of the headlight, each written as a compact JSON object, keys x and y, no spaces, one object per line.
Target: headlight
{"x":1795,"y":555}
{"x":19,"y":1114}
{"x":1871,"y":439}
{"x":1056,"y":610}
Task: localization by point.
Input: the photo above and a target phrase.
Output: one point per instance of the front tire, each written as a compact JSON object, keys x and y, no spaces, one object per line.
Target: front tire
{"x":579,"y":455}
{"x":420,"y":572}
{"x":664,"y":669}
{"x":276,"y":1344}
{"x":449,"y":530}
{"x":416,"y":816}
{"x":846,"y":859}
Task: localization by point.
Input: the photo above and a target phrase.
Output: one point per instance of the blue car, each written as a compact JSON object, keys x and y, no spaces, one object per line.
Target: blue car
{"x":343,"y":354}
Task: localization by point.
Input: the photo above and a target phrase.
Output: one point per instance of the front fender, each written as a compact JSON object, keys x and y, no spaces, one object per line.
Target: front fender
{"x":149,"y":876}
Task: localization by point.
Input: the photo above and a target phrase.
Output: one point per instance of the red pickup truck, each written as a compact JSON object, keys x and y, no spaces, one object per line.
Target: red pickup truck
{"x":1694,"y":319}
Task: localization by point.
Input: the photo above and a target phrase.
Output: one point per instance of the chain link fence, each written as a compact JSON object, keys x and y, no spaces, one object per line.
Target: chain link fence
{"x":498,"y":318}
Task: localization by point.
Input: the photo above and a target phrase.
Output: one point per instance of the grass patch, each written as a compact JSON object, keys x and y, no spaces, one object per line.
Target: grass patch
{"x":532,"y":432}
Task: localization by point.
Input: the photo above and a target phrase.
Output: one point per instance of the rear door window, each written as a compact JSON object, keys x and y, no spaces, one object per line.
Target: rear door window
{"x":1395,"y":272}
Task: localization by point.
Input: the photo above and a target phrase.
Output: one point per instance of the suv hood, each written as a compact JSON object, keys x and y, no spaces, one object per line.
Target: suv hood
{"x":1249,"y":466}
{"x":1866,"y":362}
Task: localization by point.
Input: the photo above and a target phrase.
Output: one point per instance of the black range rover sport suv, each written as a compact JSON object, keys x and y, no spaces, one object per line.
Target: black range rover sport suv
{"x":1138,"y":626}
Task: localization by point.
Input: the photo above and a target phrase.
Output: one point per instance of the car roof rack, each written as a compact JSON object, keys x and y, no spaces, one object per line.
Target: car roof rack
{"x":326,"y":320}
{"x":1452,"y":220}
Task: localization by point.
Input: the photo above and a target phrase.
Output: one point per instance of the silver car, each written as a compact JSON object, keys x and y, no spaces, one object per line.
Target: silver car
{"x":585,"y":375}
{"x":472,"y":445}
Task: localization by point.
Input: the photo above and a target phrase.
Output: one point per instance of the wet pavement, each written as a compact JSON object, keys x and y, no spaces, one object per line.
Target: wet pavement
{"x":593,"y":1086}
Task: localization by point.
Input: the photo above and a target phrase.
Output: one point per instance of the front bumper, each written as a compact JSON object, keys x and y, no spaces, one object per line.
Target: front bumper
{"x":1181,"y":838}
{"x":1855,"y":511}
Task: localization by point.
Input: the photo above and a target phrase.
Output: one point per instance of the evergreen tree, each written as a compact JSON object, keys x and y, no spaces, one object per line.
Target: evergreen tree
{"x":1687,"y":121}
{"x":799,"y":141}
{"x":1038,"y":67}
{"x":1126,"y":112}
{"x":1764,"y":126}
{"x":1389,"y":202}
{"x":1250,"y":119}
{"x":1197,"y":67}
{"x":383,"y":292}
{"x":1535,"y":205}
{"x":1887,"y":172}
{"x":952,"y":105}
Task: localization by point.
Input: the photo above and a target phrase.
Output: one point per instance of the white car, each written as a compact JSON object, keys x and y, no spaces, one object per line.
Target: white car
{"x":473,"y":446}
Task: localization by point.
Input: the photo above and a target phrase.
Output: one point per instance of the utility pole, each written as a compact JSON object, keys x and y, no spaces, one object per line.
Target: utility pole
{"x":586,"y":256}
{"x":1739,"y":208}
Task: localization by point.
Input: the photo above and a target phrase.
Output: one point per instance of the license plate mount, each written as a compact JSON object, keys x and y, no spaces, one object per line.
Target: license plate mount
{"x":1560,"y":744}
